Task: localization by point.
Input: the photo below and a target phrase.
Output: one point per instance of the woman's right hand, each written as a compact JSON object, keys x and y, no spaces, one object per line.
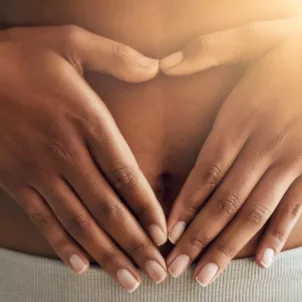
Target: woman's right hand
{"x":62,"y":157}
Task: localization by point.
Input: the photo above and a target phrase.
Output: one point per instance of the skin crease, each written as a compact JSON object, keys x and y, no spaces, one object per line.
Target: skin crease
{"x":146,"y":113}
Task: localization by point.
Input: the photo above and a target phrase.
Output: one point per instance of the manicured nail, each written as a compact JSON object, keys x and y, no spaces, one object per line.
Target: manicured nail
{"x":77,"y":264}
{"x":156,"y":271}
{"x":177,"y":231}
{"x":171,"y":60}
{"x":207,"y":273}
{"x":157,"y":234}
{"x":145,"y":62}
{"x":267,"y":257}
{"x":179,"y":265}
{"x":127,"y":280}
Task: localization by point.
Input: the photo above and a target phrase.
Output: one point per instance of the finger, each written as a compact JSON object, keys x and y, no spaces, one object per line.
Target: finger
{"x":81,"y":226}
{"x":113,"y":216}
{"x":113,"y":157}
{"x":41,"y":215}
{"x":250,"y":219}
{"x":215,"y":159}
{"x":221,"y":208}
{"x":94,"y":127}
{"x":236,"y":45}
{"x":93,"y":52}
{"x":280,"y":226}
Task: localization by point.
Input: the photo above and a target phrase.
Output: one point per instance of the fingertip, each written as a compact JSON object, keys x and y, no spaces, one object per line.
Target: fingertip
{"x":127,"y":280}
{"x":78,"y":264}
{"x":171,"y":61}
{"x":176,"y":231}
{"x":156,"y":271}
{"x":258,"y":262}
{"x":158,"y":235}
{"x":178,"y":266}
{"x":142,"y":73}
{"x":147,"y":63}
{"x":187,"y":66}
{"x":267,"y":258}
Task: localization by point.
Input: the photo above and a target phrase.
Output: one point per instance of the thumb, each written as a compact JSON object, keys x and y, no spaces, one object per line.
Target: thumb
{"x":89,"y":51}
{"x":236,"y":45}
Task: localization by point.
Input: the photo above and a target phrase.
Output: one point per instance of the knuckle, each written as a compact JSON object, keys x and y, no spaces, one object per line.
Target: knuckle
{"x":108,"y":209}
{"x":138,"y":248}
{"x":87,"y":120}
{"x":61,"y":150}
{"x":227,"y":205}
{"x":191,"y":207}
{"x":40,"y":219}
{"x":199,"y":242}
{"x":294,"y":211}
{"x":144,"y":210}
{"x":213,"y":176}
{"x":72,"y":33}
{"x":60,"y":245}
{"x":204,"y":43}
{"x":120,"y":51}
{"x":79,"y":222}
{"x":73,"y":39}
{"x":123,"y":177}
{"x":108,"y":258}
{"x":275,"y":142}
{"x":225,"y":250}
{"x":257,"y":215}
{"x":278,"y":234}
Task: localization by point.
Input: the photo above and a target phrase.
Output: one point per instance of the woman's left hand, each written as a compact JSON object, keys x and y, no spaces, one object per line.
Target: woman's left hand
{"x":250,"y":167}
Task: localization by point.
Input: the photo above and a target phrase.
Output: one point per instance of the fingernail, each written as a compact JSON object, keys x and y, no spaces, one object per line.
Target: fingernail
{"x":179,"y":265}
{"x":127,"y":280}
{"x":145,"y":62}
{"x":157,"y":234}
{"x":207,"y":273}
{"x":77,"y":264}
{"x":177,"y":231}
{"x":267,"y":257}
{"x":156,"y":271}
{"x":171,"y":60}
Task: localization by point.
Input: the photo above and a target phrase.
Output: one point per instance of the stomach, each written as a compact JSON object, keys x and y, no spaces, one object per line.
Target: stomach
{"x":165,"y":121}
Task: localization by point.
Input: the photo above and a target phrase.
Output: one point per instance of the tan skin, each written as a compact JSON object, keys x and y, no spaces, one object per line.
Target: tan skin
{"x":145,"y":113}
{"x":249,"y":169}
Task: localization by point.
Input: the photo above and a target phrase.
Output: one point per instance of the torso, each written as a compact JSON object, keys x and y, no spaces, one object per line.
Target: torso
{"x":165,"y":121}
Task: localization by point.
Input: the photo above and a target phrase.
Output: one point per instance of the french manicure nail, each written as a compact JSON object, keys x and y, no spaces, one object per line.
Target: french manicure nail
{"x":127,"y":280}
{"x":207,"y":273}
{"x":177,"y":231}
{"x":179,"y":265}
{"x":156,"y":271}
{"x":157,"y":234}
{"x":267,"y":257}
{"x":171,"y":60}
{"x":77,"y":264}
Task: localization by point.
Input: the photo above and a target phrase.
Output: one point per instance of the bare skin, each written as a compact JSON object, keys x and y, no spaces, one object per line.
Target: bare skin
{"x":61,"y":121}
{"x":146,"y":113}
{"x":262,"y":180}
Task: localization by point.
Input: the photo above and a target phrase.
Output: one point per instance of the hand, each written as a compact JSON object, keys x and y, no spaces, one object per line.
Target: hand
{"x":250,"y":167}
{"x":62,"y":157}
{"x":233,"y":46}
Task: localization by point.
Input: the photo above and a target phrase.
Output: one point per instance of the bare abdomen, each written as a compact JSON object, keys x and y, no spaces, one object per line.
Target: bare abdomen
{"x":165,"y":121}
